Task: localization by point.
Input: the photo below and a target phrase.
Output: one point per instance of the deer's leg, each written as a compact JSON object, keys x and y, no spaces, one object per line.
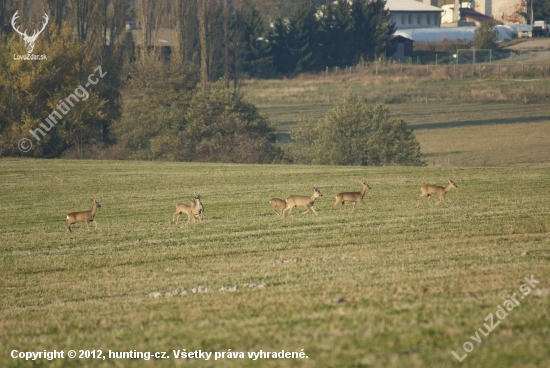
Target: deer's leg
{"x":289,"y":209}
{"x":313,"y":209}
{"x":368,"y":205}
{"x":95,"y":224}
{"x":419,"y":198}
{"x":334,"y":205}
{"x":87,"y":227}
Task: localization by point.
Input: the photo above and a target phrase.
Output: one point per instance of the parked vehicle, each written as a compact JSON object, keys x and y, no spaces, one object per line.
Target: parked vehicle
{"x":540,"y":28}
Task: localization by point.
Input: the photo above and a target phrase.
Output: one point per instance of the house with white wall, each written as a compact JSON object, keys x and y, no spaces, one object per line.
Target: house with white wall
{"x":410,"y":14}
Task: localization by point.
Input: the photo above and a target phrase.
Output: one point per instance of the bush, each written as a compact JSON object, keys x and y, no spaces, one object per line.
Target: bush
{"x":485,"y":36}
{"x":167,"y":117}
{"x":221,"y":127}
{"x":354,"y":133}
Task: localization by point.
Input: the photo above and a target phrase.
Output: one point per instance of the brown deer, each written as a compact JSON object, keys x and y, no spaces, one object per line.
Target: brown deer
{"x":200,"y":210}
{"x":351,"y":197}
{"x":83,"y":216}
{"x":429,"y":190}
{"x":192,"y":210}
{"x":301,"y":201}
{"x":277,"y":203}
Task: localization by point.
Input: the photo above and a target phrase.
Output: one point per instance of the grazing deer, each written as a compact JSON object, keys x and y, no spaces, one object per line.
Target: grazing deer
{"x":302,"y":201}
{"x":351,"y":197}
{"x":430,"y":190}
{"x":277,"y":203}
{"x":83,"y":216}
{"x":191,"y":210}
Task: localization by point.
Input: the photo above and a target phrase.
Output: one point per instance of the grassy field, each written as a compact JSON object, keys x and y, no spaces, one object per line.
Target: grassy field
{"x":458,"y":122}
{"x":398,"y":286}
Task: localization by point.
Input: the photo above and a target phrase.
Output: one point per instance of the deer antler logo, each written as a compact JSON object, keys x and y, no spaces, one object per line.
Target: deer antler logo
{"x":29,"y":40}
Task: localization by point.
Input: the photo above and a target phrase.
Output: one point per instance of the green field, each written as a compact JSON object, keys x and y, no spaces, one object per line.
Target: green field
{"x":399,"y":286}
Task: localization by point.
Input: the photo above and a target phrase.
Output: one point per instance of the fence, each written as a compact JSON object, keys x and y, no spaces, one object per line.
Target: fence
{"x":499,"y":70}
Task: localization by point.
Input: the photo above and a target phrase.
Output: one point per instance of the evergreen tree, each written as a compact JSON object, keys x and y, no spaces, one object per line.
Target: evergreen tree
{"x":304,"y":34}
{"x":336,"y":33}
{"x":379,"y":18}
{"x":281,"y":51}
{"x":257,"y":54}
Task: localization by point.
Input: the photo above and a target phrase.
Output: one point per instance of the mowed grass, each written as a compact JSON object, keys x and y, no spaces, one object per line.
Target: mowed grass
{"x":398,"y":286}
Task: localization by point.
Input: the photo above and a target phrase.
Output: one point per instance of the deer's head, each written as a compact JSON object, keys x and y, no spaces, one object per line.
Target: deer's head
{"x":29,"y":40}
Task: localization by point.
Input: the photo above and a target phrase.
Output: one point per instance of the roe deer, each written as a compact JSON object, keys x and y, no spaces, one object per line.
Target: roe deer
{"x":191,"y":210}
{"x":430,"y":190}
{"x":351,"y":197}
{"x":276,"y":203}
{"x":302,"y":201}
{"x":83,"y":216}
{"x":200,"y":210}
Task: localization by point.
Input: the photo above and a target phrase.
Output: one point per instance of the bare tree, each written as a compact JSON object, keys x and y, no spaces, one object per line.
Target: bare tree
{"x":186,"y":28}
{"x":112,"y":13}
{"x":57,"y":11}
{"x":84,"y":12}
{"x":206,"y":15}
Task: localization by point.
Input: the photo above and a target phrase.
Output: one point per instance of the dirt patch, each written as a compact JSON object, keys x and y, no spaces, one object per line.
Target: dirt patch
{"x":535,"y":43}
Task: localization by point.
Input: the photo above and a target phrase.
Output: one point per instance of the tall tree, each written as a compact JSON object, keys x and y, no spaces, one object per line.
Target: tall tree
{"x":304,"y":34}
{"x":280,"y":39}
{"x":57,"y":11}
{"x":84,"y":13}
{"x":257,"y":49}
{"x":207,"y":17}
{"x":187,"y":43}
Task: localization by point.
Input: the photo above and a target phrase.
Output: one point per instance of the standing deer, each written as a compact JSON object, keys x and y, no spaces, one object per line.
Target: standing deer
{"x":191,"y":210}
{"x":302,"y":201}
{"x":83,"y":216}
{"x":200,"y":210}
{"x":351,"y":197}
{"x":29,"y":40}
{"x":430,"y":190}
{"x":277,"y":203}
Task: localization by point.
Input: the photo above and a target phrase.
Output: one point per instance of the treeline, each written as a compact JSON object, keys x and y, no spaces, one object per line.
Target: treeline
{"x":182,"y":105}
{"x":235,"y":40}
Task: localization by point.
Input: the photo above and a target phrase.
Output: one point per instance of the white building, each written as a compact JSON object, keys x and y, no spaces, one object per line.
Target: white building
{"x":411,"y":14}
{"x":506,"y":11}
